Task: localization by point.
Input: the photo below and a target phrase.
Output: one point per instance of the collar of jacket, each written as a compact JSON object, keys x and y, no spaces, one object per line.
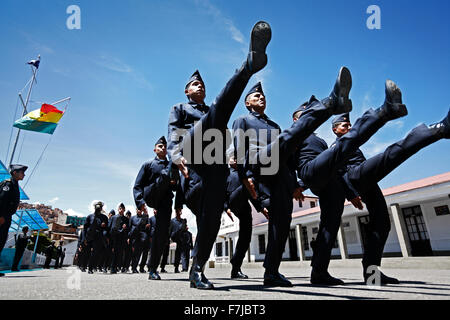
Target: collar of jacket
{"x":162,"y":160}
{"x":201,"y":107}
{"x":259,"y":116}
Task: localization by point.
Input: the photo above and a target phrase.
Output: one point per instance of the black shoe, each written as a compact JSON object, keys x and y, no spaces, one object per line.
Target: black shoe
{"x":83,"y":269}
{"x":91,"y":271}
{"x":124,"y":270}
{"x":276,"y":280}
{"x":134,"y":271}
{"x":142,"y":270}
{"x":176,"y":270}
{"x":195,"y":279}
{"x":153,"y":275}
{"x":105,"y":270}
{"x":324,"y":279}
{"x":259,"y":39}
{"x":2,"y":274}
{"x":393,"y":108}
{"x":237,"y":274}
{"x":184,"y":270}
{"x":442,"y":128}
{"x":163,"y":271}
{"x":113,"y":271}
{"x":338,"y":100}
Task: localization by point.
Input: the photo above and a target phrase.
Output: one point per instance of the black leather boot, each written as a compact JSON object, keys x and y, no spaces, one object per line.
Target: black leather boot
{"x":338,"y":100}
{"x":442,"y":128}
{"x":392,"y":108}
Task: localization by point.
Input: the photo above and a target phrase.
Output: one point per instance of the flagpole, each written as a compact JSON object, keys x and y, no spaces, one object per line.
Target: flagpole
{"x":23,"y":114}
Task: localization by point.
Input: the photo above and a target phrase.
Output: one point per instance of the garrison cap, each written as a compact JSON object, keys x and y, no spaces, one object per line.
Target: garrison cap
{"x":161,"y":140}
{"x":99,"y":203}
{"x":128,"y":213}
{"x":302,"y":107}
{"x":17,"y":167}
{"x":112,"y":212}
{"x":195,"y":76}
{"x":345,"y":117}
{"x":121,"y":205}
{"x":256,"y":88}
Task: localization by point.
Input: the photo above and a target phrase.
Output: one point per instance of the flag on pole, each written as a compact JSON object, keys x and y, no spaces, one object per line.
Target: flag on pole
{"x":42,"y":120}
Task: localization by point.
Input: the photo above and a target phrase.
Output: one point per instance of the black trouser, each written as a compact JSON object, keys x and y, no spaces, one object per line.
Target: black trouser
{"x":83,"y":256}
{"x":181,"y":253}
{"x":241,"y":208}
{"x":57,"y":262}
{"x":48,"y":260}
{"x":209,"y":208}
{"x":127,"y":255}
{"x":17,"y":256}
{"x":138,"y":248}
{"x":165,"y":255}
{"x":4,"y":228}
{"x":160,"y":236}
{"x":365,"y":176}
{"x":95,"y":249}
{"x":117,"y":245}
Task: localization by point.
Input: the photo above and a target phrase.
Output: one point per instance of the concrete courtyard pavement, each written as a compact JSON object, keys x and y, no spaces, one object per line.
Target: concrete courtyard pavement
{"x":421,"y":279}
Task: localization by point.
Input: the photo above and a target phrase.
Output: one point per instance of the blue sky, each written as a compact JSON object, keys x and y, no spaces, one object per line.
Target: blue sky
{"x":129,"y":63}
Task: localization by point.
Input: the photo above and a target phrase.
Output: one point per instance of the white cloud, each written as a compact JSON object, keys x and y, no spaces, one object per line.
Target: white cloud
{"x":374,"y":147}
{"x":72,"y":212}
{"x":236,"y":34}
{"x":53,"y":200}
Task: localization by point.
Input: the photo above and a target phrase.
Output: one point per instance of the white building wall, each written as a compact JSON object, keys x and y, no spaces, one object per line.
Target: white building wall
{"x":438,"y":226}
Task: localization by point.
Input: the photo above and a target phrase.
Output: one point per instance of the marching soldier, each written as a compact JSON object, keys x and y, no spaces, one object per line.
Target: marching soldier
{"x":49,"y":254}
{"x":236,"y":202}
{"x":154,"y":186}
{"x":138,"y":237}
{"x":208,"y":203}
{"x":362,"y":176}
{"x":276,"y":185}
{"x":118,"y":234}
{"x":318,"y":168}
{"x":95,"y":225}
{"x":178,"y":226}
{"x":127,"y":251}
{"x":9,"y":201}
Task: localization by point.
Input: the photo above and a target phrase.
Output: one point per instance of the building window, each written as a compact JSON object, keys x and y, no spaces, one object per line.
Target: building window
{"x":300,"y":204}
{"x":305,"y":238}
{"x":226,"y":248}
{"x":262,"y":244}
{"x":219,"y":249}
{"x":312,"y":203}
{"x":441,"y":210}
{"x":315,"y":230}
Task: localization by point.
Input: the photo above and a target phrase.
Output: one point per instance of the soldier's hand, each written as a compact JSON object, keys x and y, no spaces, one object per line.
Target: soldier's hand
{"x":182,"y":167}
{"x":128,"y":241}
{"x":155,"y":211}
{"x":2,"y":220}
{"x":147,"y":226}
{"x":298,"y":194}
{"x":172,"y":182}
{"x":229,"y":213}
{"x":103,"y":224}
{"x":357,"y":203}
{"x":265,"y":213}
{"x":248,"y":183}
